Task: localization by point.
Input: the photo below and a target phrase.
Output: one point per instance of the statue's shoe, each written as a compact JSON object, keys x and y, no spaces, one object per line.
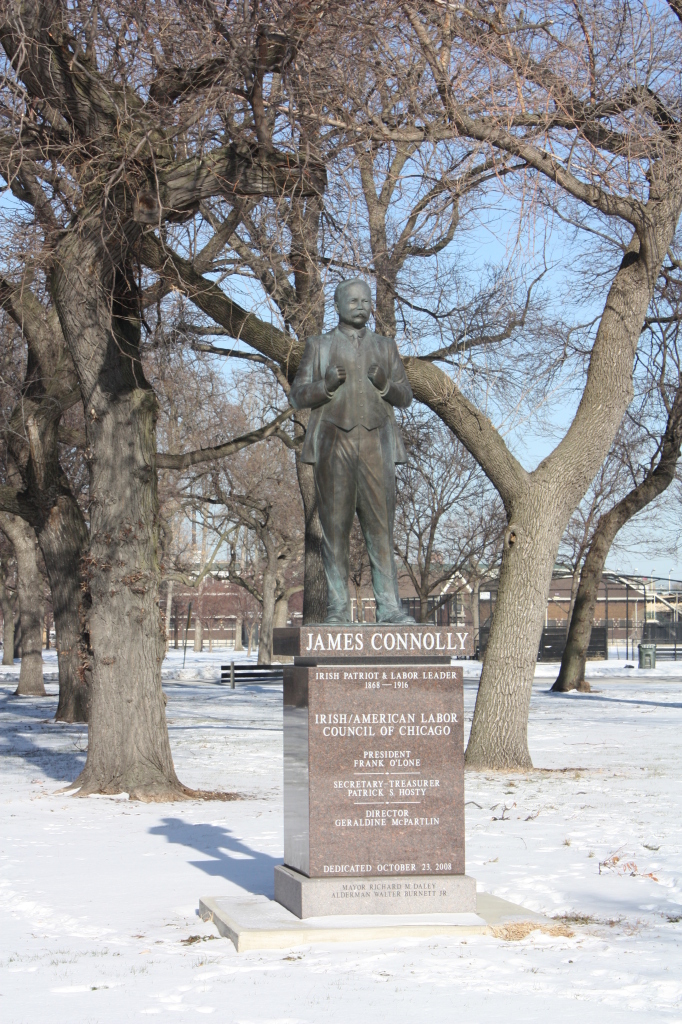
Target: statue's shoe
{"x":336,"y":620}
{"x":397,"y":618}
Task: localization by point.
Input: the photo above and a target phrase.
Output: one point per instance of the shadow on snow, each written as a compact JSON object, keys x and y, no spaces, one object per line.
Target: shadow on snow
{"x":227,"y":856}
{"x":576,"y":695}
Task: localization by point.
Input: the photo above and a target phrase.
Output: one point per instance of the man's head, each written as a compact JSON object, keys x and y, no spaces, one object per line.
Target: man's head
{"x":353,"y":302}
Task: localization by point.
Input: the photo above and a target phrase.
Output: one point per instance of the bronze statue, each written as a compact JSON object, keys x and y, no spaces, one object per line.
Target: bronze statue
{"x":351,"y":378}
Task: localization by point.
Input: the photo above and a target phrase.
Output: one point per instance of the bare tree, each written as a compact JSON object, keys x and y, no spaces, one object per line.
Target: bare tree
{"x":651,"y":459}
{"x":260,"y":495}
{"x":39,"y":490}
{"x":445,"y":521}
{"x":577,"y":129}
{"x":538,"y":114}
{"x":107,"y":128}
{"x":249,"y":494}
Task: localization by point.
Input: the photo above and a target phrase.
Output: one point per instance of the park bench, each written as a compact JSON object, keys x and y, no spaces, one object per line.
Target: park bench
{"x":248,"y":673}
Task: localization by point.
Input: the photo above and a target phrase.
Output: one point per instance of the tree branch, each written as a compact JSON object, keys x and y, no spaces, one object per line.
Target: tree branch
{"x":478,"y":435}
{"x":186,"y":459}
{"x":10,"y":501}
{"x":212,"y":300}
{"x":487,"y":130}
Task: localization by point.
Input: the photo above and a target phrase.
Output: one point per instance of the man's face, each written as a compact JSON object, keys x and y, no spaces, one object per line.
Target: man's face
{"x":354,"y":304}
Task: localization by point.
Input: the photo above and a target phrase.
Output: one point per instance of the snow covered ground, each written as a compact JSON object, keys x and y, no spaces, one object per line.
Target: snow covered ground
{"x":99,"y":896}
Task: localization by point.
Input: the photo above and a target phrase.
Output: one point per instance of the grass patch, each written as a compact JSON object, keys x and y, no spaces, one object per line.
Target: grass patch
{"x":517,"y":930}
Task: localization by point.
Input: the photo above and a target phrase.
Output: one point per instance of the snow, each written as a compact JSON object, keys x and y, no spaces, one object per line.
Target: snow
{"x":99,"y":896}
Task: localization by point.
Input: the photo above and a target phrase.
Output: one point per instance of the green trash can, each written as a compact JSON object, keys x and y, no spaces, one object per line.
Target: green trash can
{"x":647,"y":655}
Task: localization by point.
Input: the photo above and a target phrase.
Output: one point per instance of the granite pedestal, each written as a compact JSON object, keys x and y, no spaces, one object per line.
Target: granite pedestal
{"x":373,"y":772}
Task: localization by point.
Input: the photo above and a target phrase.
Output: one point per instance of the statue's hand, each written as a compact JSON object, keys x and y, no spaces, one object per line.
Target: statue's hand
{"x":377,"y":376}
{"x":334,"y":378}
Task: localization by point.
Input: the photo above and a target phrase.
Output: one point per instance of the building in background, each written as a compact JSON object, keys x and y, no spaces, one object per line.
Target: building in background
{"x":630,"y":609}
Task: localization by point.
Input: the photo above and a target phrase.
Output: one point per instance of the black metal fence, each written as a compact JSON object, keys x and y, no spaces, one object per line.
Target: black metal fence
{"x":448,"y":614}
{"x":668,"y":639}
{"x":662,"y":632}
{"x":553,"y":641}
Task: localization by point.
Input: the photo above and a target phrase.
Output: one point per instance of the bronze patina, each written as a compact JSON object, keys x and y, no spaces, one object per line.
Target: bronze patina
{"x":352,"y":379}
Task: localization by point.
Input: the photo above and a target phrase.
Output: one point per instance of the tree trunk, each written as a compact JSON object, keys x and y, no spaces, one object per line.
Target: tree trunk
{"x":268,"y":617}
{"x":63,"y":540}
{"x":31,"y":604}
{"x":169,"y":609}
{"x":307,"y":317}
{"x":129,"y":748}
{"x":475,"y":613}
{"x":54,"y":514}
{"x":281,"y":612}
{"x":572,"y":672}
{"x":238,"y":627}
{"x":198,"y":635}
{"x":358,"y":603}
{"x":499,"y":732}
{"x":315,"y":581}
{"x":7,"y":625}
{"x":17,"y":632}
{"x":575,"y":583}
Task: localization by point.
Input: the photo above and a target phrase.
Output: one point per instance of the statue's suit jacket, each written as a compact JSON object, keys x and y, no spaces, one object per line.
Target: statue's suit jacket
{"x":357,"y":402}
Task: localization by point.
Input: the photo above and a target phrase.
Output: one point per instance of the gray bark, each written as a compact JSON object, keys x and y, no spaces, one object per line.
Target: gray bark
{"x":169,"y":609}
{"x":63,"y":541}
{"x":238,"y":645}
{"x":31,"y":604}
{"x":575,"y":583}
{"x":268,"y":612}
{"x":475,"y":612}
{"x":7,"y":622}
{"x":281,"y":611}
{"x":501,"y":717}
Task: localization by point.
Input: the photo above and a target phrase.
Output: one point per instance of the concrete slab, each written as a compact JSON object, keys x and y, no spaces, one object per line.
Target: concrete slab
{"x":420,"y":894}
{"x":496,"y":911}
{"x":255,"y":922}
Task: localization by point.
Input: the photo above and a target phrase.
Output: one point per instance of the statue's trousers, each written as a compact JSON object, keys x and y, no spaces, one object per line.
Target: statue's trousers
{"x":355,"y":472}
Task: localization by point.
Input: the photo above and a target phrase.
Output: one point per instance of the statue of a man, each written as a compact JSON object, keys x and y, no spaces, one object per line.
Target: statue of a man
{"x":351,"y":378}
